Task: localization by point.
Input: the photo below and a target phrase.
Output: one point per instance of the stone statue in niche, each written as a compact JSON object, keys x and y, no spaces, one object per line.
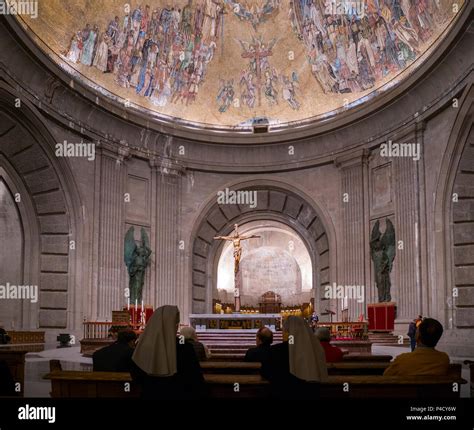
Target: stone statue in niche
{"x":382,"y":250}
{"x":137,"y":259}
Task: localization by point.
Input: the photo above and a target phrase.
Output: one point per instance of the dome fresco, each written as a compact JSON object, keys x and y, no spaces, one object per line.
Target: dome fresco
{"x":228,"y":64}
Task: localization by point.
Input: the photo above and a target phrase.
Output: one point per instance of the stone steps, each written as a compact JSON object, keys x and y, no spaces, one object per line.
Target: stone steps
{"x":387,"y":339}
{"x":230,"y":345}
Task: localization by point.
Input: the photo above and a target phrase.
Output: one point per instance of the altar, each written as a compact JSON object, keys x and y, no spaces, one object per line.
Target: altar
{"x":235,"y":321}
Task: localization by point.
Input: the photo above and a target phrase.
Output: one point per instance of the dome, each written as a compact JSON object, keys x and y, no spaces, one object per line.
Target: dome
{"x":227,"y":64}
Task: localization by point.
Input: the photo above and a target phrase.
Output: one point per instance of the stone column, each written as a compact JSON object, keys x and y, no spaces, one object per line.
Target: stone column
{"x":407,"y":272}
{"x":169,"y":259}
{"x":355,"y":244}
{"x":110,"y":182}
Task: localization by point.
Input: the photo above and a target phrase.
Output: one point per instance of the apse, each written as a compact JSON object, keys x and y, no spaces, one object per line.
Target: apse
{"x":278,"y":261}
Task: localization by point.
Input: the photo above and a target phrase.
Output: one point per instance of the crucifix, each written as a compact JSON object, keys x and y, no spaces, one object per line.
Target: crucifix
{"x":257,"y":51}
{"x":236,"y":238}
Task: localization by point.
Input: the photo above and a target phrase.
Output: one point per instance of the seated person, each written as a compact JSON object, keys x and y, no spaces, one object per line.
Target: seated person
{"x":333,"y":353}
{"x":7,"y":384}
{"x":165,"y":367}
{"x":260,"y":353}
{"x":425,"y":359}
{"x":200,"y":349}
{"x":4,"y":338}
{"x":295,"y":366}
{"x":118,"y":356}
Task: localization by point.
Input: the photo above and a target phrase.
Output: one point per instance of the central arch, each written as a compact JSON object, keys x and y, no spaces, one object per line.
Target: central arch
{"x":276,"y":201}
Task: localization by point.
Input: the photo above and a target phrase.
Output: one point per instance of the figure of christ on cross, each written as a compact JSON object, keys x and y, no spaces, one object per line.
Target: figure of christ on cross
{"x":257,"y":51}
{"x":236,"y":238}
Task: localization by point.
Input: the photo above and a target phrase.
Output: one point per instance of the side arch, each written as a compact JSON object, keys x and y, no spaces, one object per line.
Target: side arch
{"x":453,"y":284}
{"x":276,"y":201}
{"x":27,"y":151}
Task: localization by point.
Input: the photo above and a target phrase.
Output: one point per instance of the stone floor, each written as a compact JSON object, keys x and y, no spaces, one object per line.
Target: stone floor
{"x":37,"y":365}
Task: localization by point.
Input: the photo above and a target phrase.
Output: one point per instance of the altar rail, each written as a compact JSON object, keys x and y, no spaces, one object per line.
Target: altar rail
{"x":99,"y":329}
{"x":23,"y":337}
{"x":347,"y":330}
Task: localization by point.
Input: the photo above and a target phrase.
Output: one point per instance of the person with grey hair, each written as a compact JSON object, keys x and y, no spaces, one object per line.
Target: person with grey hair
{"x":296,"y":366}
{"x":260,"y":353}
{"x":190,"y":336}
{"x":333,"y":353}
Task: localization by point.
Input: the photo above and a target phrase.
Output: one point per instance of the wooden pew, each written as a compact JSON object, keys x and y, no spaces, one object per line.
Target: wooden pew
{"x":68,"y":383}
{"x":357,"y":368}
{"x":371,"y":386}
{"x":342,"y":368}
{"x":237,"y":386}
{"x":230,"y":367}
{"x":107,"y":384}
{"x":367,"y":357}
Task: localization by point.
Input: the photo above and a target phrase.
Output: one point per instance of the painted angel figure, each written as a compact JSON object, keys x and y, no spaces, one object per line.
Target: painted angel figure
{"x":383,"y":249}
{"x":289,"y":91}
{"x":137,"y":259}
{"x":225,"y":97}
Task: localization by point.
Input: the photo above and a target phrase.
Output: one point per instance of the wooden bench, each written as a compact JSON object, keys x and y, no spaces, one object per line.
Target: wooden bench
{"x":372,"y":386}
{"x":230,"y":367}
{"x":107,"y":384}
{"x":342,"y":368}
{"x":367,"y":357}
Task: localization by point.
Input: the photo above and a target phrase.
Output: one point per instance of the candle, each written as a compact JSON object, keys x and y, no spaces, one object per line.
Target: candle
{"x":128,"y":303}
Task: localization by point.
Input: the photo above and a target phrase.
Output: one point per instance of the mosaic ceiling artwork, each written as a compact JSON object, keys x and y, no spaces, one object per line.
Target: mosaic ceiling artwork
{"x":228,"y":64}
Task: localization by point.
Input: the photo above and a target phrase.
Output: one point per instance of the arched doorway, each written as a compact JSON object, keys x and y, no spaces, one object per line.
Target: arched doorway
{"x":276,"y":202}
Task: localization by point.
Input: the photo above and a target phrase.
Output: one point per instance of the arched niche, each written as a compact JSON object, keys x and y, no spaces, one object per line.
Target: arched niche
{"x":275,"y":202}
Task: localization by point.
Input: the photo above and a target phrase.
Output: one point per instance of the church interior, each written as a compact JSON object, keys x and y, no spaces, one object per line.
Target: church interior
{"x":233,"y":170}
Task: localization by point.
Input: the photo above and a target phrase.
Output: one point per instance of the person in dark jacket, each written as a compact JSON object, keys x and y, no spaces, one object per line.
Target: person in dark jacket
{"x":7,"y":383}
{"x":165,"y":367}
{"x":4,"y":338}
{"x":118,"y":356}
{"x":296,"y":366}
{"x":261,"y":352}
{"x":190,"y":336}
{"x":412,"y":334}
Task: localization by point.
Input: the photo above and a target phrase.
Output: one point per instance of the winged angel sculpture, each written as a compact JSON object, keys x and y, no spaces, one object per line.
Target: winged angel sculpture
{"x":383,"y":249}
{"x":137,"y":259}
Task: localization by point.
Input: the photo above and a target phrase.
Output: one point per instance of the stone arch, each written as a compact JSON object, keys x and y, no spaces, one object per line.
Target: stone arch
{"x":27,"y":316}
{"x":276,"y":201}
{"x":27,"y":153}
{"x":454,"y":218}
